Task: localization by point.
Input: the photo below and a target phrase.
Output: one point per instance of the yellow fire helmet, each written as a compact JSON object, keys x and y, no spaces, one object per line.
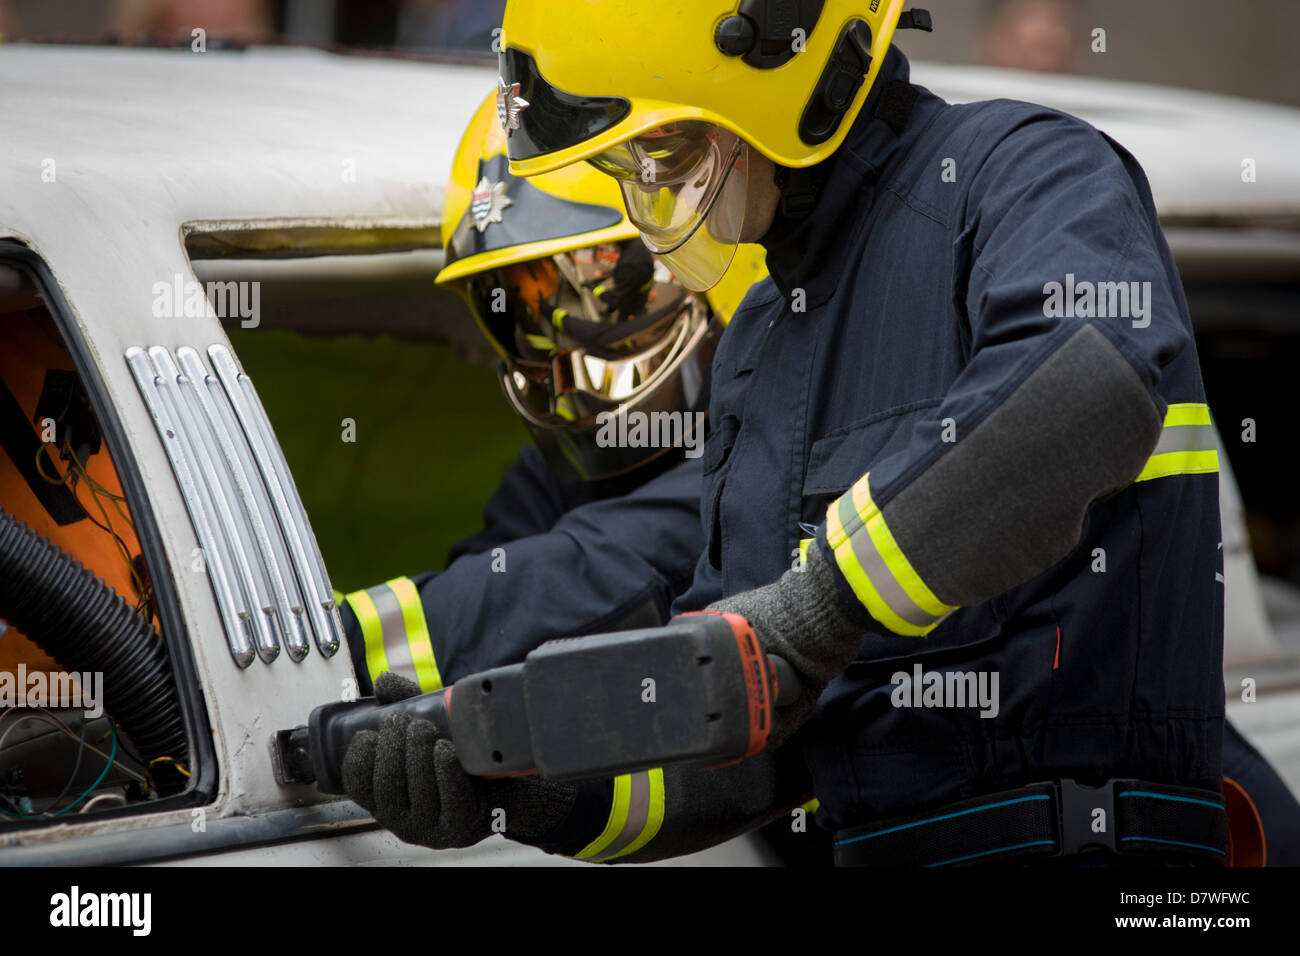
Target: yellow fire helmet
{"x":669,"y":97}
{"x":593,"y":333}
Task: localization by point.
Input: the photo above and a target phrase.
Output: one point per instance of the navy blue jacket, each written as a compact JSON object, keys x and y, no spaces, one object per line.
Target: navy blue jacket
{"x":554,"y":559}
{"x":911,"y":303}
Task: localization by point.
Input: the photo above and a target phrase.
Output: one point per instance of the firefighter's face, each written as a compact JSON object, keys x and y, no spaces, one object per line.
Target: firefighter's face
{"x":763,"y":198}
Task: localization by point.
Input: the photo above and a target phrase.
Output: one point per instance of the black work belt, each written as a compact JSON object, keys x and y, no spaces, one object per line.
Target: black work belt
{"x":1058,"y":818}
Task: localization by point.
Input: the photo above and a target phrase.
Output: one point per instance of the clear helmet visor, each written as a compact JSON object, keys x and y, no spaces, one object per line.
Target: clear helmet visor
{"x":686,"y":190}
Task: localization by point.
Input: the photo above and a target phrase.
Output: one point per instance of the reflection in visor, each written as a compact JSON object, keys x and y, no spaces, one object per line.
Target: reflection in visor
{"x":665,"y":155}
{"x":606,"y":300}
{"x":597,"y":332}
{"x":568,"y":411}
{"x":685,"y":186}
{"x":670,"y":178}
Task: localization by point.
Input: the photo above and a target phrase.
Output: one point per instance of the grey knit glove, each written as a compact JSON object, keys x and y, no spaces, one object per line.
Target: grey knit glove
{"x":801,"y":618}
{"x":409,"y":778}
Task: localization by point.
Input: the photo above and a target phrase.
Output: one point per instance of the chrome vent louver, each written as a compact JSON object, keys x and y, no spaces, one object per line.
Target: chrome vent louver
{"x":257,"y":545}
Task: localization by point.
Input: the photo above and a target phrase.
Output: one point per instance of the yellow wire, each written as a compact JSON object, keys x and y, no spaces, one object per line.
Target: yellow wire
{"x":180,"y":767}
{"x":117,"y":540}
{"x":99,"y":489}
{"x":96,"y":486}
{"x":95,"y":489}
{"x":40,"y":469}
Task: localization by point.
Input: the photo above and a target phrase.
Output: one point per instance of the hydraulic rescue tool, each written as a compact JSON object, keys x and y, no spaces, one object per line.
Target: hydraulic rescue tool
{"x":699,"y":689}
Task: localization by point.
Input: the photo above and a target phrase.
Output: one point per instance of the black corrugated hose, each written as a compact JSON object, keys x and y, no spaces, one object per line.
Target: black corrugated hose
{"x":87,"y":626}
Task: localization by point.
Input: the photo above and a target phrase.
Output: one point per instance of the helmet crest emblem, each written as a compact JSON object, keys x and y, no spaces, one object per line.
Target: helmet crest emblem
{"x":488,"y":202}
{"x":509,"y":105}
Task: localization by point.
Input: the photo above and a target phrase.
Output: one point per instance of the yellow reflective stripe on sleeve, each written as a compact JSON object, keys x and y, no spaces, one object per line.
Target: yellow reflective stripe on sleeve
{"x":1187,"y":414}
{"x":635,"y":817}
{"x":856,"y":577}
{"x":372,"y":630}
{"x":417,"y":634}
{"x":616,"y":822}
{"x":892,"y":554}
{"x":882,"y":578}
{"x":875,"y":567}
{"x":396,"y":633}
{"x":654,"y":817}
{"x":1180,"y":463}
{"x":1187,"y":445}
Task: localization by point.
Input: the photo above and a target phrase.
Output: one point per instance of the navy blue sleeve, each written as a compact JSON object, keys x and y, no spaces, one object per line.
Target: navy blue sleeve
{"x":1074,"y":311}
{"x":604,"y":565}
{"x":546,"y":565}
{"x":529,"y":501}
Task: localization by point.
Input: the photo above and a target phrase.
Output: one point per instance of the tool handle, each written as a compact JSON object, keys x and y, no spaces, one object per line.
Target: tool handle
{"x":332,"y":726}
{"x":787,"y":681}
{"x":575,"y":709}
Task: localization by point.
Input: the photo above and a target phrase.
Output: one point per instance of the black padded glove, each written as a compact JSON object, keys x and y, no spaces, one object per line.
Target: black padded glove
{"x":409,"y":778}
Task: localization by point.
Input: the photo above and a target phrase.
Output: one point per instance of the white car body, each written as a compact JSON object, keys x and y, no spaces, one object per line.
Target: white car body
{"x":116,"y":162}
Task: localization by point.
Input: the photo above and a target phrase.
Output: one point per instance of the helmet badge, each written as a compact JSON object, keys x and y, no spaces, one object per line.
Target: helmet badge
{"x":488,"y":202}
{"x":509,"y":105}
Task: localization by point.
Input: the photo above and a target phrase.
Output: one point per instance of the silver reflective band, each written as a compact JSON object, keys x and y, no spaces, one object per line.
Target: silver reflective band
{"x":392,"y":622}
{"x":871,"y":561}
{"x":1186,"y":438}
{"x":638,"y":813}
{"x":635,"y":815}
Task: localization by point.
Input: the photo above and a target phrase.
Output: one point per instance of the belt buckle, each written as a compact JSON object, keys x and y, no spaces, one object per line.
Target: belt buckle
{"x":1086,"y":816}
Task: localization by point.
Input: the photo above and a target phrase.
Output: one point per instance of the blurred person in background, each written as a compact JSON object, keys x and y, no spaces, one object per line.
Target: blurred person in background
{"x":449,"y":24}
{"x":1041,"y":35}
{"x":246,"y":20}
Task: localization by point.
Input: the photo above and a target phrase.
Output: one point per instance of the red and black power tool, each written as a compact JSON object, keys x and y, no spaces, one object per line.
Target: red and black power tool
{"x":697,"y":690}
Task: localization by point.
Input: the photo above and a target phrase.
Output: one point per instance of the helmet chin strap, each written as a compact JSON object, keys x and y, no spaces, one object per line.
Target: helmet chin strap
{"x":799,"y":190}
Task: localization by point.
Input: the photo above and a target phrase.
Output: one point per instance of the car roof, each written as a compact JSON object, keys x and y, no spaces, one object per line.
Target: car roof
{"x":1192,"y":145}
{"x":264,"y":133}
{"x":273,"y":131}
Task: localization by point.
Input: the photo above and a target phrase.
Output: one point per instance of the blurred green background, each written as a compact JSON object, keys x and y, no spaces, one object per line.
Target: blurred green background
{"x":433,"y":437}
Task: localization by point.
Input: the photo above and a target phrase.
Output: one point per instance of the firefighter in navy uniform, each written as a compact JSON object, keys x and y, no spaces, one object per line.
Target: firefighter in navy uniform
{"x":581,"y":536}
{"x":966,"y":450}
{"x":584,"y":323}
{"x":986,"y":481}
